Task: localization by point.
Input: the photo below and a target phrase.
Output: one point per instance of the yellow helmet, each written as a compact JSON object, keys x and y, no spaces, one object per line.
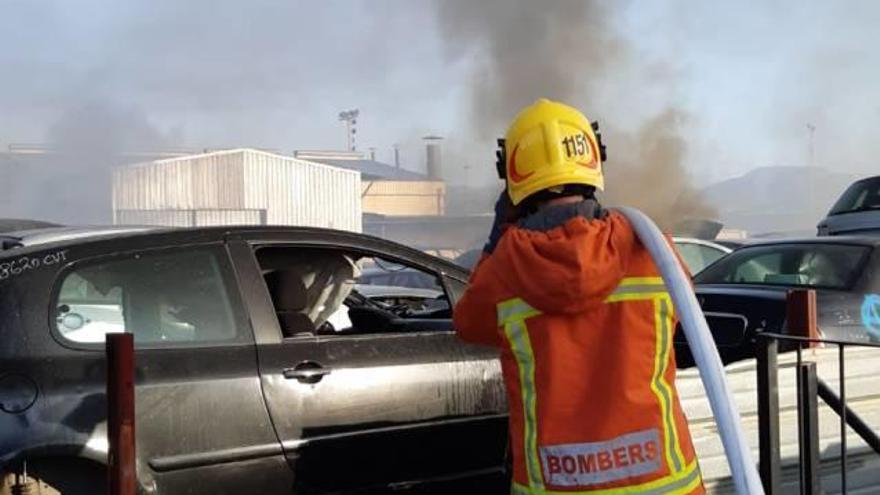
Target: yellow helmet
{"x":549,"y":145}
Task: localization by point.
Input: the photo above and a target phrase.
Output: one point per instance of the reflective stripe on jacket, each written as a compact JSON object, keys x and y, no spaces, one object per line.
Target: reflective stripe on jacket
{"x":585,"y":328}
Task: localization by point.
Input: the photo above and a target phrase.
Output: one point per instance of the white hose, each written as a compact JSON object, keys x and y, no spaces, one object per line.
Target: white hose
{"x":702,"y":346}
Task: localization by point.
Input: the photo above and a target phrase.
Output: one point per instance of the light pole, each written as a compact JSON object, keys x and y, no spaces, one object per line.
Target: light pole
{"x":350,"y":119}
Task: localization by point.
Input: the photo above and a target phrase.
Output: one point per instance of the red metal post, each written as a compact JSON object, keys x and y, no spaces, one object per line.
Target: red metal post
{"x":801,"y":314}
{"x":120,"y":414}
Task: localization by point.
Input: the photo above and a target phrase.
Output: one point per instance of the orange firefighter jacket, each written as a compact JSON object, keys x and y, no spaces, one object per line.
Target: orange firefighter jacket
{"x":585,"y":328}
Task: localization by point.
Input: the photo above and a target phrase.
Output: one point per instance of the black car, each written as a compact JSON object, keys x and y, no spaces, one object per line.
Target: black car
{"x":856,"y":212}
{"x":248,"y":378}
{"x":745,"y":292}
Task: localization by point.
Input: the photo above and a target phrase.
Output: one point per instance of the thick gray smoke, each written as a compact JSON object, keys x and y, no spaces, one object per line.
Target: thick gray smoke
{"x":568,"y":50}
{"x":724,"y":87}
{"x":96,"y":79}
{"x":528,"y":49}
{"x":69,"y":180}
{"x":88,"y":141}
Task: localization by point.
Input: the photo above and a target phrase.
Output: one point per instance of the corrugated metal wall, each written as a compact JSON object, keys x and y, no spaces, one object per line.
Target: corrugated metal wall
{"x":299,"y":192}
{"x":229,"y":217}
{"x":214,"y":180}
{"x":409,"y":198}
{"x":168,"y":218}
{"x":289,"y":190}
{"x":190,"y":218}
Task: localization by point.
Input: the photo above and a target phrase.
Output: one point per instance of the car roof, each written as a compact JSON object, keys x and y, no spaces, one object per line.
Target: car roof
{"x":35,"y":237}
{"x":701,"y":242}
{"x":832,"y":239}
{"x":115,"y":237}
{"x":867,"y":179}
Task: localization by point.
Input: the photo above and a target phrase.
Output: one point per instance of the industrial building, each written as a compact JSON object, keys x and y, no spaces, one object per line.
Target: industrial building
{"x":391,"y":190}
{"x":234,"y":187}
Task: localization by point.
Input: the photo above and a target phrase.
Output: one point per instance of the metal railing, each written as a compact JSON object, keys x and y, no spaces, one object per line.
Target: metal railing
{"x":810,"y":388}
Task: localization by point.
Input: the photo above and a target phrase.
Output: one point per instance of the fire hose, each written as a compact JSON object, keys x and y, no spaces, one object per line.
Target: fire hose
{"x":702,"y":346}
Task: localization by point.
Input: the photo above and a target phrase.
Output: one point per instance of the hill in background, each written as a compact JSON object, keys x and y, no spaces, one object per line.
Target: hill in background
{"x":778,"y":199}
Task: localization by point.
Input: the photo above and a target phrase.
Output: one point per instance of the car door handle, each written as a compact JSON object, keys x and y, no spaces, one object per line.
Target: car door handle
{"x":306,"y":372}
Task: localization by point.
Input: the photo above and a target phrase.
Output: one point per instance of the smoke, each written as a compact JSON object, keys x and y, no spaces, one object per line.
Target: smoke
{"x":71,"y":183}
{"x":99,"y":78}
{"x":568,"y":50}
{"x":729,"y":86}
{"x":647,"y":172}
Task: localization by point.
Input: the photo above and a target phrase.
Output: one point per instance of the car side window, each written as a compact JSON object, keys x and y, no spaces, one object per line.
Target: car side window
{"x":761,"y":269}
{"x":332,"y":292}
{"x":162,"y":297}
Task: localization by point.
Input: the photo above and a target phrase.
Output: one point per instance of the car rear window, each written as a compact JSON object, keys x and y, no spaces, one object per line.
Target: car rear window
{"x":165,"y":297}
{"x":832,"y":266}
{"x":861,"y":196}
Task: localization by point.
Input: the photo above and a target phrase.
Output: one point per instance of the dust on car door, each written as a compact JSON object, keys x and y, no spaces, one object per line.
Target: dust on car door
{"x":377,"y":394}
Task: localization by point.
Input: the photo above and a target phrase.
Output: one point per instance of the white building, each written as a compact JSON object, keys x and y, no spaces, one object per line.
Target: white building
{"x":237,"y":187}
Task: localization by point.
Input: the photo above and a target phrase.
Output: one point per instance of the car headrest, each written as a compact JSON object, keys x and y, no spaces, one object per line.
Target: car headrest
{"x":288,"y":291}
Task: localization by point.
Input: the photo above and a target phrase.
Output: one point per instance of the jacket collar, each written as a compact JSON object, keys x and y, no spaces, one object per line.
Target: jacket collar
{"x":553,"y":216}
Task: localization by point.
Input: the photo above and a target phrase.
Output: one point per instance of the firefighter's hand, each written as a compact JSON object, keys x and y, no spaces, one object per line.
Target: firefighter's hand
{"x":503,"y":217}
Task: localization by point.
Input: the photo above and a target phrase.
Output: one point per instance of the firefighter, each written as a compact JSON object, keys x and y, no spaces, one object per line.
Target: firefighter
{"x":584,"y":323}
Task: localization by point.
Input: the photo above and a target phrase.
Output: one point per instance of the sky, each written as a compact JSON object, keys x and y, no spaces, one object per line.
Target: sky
{"x":742,"y":79}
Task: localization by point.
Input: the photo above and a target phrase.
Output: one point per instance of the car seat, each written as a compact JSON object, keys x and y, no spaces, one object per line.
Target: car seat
{"x":289,"y":295}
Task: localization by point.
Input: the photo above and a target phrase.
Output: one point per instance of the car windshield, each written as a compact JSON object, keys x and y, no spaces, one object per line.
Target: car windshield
{"x":861,"y":196}
{"x":832,"y":266}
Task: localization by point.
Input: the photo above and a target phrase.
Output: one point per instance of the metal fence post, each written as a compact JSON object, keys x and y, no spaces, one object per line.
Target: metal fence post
{"x":801,"y":314}
{"x":808,"y":405}
{"x":768,"y":414}
{"x":122,"y":474}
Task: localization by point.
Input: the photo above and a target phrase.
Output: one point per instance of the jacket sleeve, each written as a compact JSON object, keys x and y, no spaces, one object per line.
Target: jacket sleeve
{"x":475,"y":316}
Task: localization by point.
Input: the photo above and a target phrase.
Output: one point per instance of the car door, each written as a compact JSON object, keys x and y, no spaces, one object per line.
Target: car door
{"x":200,"y":411}
{"x":375,"y":409}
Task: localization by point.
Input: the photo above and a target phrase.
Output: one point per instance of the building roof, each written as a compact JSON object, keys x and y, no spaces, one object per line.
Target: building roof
{"x":372,"y":170}
{"x":369,"y":168}
{"x":240,"y":151}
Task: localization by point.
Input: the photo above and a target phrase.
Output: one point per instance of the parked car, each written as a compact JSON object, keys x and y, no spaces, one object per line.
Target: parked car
{"x":744,"y":293}
{"x":697,"y":254}
{"x":732,"y":244}
{"x":857,"y":211}
{"x":243,"y":382}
